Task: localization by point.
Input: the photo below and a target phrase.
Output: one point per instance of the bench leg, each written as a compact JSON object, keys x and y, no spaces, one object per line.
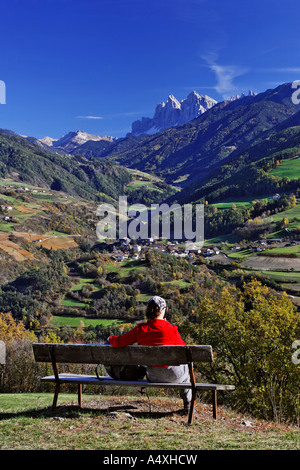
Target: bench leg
{"x":56,"y":392}
{"x":80,"y":395}
{"x":191,"y":412}
{"x":215,"y":404}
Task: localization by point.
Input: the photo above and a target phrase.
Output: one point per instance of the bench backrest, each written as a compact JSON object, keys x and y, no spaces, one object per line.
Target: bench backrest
{"x":130,"y":355}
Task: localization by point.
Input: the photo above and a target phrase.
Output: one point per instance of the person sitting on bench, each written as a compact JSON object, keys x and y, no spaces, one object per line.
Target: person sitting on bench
{"x":158,"y":331}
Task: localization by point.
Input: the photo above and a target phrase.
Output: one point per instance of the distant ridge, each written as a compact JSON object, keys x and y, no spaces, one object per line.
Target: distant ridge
{"x":74,"y":139}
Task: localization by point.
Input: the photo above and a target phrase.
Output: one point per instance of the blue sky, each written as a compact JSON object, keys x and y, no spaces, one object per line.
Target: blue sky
{"x":99,"y":65}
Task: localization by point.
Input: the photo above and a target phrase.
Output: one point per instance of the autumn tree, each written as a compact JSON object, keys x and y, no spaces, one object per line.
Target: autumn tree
{"x":19,"y":372}
{"x":252,"y":331}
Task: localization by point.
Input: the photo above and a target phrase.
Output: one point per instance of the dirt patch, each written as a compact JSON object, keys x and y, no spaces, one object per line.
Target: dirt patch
{"x":14,"y":250}
{"x":26,"y":209}
{"x":126,"y":408}
{"x":57,"y":243}
{"x":48,"y":241}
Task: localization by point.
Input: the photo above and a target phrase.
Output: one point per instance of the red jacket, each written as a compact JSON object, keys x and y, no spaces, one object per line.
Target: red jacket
{"x":153,"y":333}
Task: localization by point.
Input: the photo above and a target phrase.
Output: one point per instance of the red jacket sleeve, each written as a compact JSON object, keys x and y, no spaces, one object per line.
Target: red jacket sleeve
{"x":124,"y":340}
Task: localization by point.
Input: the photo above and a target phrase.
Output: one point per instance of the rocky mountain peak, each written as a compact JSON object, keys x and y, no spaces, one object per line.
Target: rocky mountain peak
{"x":242,"y":95}
{"x":173,"y":113}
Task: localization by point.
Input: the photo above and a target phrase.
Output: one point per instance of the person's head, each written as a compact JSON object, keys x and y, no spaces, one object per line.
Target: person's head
{"x":156,"y":307}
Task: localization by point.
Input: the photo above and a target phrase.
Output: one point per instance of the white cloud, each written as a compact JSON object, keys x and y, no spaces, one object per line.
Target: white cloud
{"x":126,"y":114}
{"x":113,"y":116}
{"x":283,"y":69}
{"x":225,"y":75}
{"x":89,"y":117}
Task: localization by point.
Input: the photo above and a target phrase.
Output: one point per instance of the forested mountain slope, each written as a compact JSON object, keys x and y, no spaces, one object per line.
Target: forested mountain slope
{"x":202,"y":145}
{"x":28,"y":163}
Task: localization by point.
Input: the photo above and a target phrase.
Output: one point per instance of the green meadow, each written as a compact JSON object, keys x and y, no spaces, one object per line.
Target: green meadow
{"x":75,"y":322}
{"x":289,"y":168}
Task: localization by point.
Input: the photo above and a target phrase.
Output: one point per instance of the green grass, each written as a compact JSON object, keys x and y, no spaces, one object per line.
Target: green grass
{"x":240,"y":201}
{"x":240,"y":253}
{"x":284,"y":276}
{"x":285,"y":250}
{"x":27,"y":423}
{"x":68,"y":302}
{"x":11,"y":182}
{"x":136,"y":184}
{"x":143,"y":297}
{"x":12,"y":199}
{"x":61,"y":321}
{"x":125,"y":268}
{"x":83,"y":281}
{"x":231,"y":239}
{"x":55,"y":233}
{"x":178,"y":284}
{"x":287,"y":276}
{"x":6,"y":227}
{"x":145,"y":176}
{"x":289,"y":168}
{"x":293,"y":213}
{"x":143,"y":179}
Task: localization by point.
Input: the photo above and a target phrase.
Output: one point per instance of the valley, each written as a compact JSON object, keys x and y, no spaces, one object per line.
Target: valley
{"x":245,"y":171}
{"x":238,"y":292}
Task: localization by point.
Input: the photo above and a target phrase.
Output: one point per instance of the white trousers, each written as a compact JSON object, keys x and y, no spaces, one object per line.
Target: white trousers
{"x":178,"y":374}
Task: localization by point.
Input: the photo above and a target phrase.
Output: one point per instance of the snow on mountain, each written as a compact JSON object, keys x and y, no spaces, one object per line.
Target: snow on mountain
{"x":74,"y":139}
{"x":242,"y":95}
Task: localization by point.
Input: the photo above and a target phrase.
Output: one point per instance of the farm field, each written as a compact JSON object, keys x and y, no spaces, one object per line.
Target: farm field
{"x":291,"y":214}
{"x":53,"y":242}
{"x":141,"y":179}
{"x":27,"y":212}
{"x":14,"y":249}
{"x":285,"y":250}
{"x":283,"y":275}
{"x":289,"y":168}
{"x":240,"y":201}
{"x":268,"y":263}
{"x":68,"y":302}
{"x":60,"y":321}
{"x":125,"y":268}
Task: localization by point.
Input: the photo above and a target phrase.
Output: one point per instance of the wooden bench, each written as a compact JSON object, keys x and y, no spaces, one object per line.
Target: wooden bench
{"x":130,"y":355}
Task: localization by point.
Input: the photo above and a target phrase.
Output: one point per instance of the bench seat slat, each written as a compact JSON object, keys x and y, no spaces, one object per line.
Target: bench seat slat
{"x":93,"y":379}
